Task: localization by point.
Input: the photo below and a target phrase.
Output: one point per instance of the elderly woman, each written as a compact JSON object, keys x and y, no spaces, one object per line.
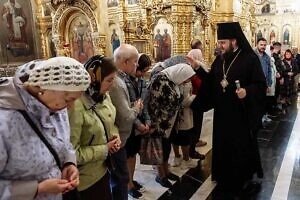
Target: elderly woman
{"x":164,"y":103}
{"x":34,"y":102}
{"x":93,"y":131}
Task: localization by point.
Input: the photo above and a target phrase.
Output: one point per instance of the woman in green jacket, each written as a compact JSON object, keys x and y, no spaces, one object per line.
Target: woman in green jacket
{"x":92,"y":116}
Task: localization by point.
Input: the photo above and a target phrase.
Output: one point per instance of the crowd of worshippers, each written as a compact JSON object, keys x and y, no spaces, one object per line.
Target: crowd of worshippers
{"x":72,"y":131}
{"x":281,"y":72}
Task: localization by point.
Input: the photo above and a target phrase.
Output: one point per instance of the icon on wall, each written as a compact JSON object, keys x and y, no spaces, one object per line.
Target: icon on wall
{"x":81,"y":40}
{"x":16,"y":34}
{"x":286,"y":37}
{"x":15,"y":21}
{"x":115,"y":40}
{"x":272,"y":37}
{"x":162,"y":40}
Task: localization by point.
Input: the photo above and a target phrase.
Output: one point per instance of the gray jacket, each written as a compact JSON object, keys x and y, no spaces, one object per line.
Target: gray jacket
{"x":126,"y":114}
{"x":24,"y":159}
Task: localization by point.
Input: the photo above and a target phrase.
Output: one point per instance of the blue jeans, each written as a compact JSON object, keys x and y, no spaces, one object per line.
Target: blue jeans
{"x":120,"y":177}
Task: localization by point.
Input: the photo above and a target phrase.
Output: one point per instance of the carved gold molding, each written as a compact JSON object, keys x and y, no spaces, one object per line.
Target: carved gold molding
{"x":59,"y":19}
{"x":99,"y":43}
{"x":64,"y":9}
{"x":91,"y":3}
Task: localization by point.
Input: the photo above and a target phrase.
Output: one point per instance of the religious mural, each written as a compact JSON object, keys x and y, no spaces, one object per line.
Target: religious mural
{"x":115,"y":36}
{"x":198,"y":29}
{"x":80,"y":39}
{"x":162,"y":40}
{"x":16,"y":35}
{"x":115,"y":40}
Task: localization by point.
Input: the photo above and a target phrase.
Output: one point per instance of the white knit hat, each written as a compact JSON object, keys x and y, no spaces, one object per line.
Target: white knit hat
{"x":58,"y":73}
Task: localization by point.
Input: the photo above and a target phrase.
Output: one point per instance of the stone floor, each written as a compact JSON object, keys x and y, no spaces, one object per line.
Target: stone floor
{"x":279,"y":144}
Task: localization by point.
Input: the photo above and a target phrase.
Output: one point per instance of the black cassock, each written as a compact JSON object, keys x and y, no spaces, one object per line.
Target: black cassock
{"x":235,"y":155}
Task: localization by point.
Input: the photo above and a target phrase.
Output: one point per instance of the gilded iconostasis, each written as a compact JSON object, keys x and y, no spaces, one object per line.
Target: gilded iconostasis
{"x":32,"y":29}
{"x":82,"y":28}
{"x":278,"y":20}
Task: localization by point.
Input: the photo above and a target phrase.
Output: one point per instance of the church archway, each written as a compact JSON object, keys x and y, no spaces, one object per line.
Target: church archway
{"x":62,"y":21}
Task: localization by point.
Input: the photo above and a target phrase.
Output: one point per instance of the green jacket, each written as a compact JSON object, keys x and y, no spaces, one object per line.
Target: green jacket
{"x":88,"y":137}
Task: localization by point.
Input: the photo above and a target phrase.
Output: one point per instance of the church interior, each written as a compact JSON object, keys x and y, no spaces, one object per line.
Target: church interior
{"x":41,"y":29}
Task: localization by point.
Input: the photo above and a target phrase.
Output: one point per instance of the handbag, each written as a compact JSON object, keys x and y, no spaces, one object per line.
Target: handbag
{"x":71,"y":195}
{"x":151,"y":151}
{"x":110,"y":161}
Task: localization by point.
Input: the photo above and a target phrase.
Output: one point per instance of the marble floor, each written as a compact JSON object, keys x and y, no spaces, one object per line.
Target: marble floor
{"x":279,"y":144}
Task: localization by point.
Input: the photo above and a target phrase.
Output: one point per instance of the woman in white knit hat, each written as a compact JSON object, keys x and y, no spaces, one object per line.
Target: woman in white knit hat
{"x":36,"y":158}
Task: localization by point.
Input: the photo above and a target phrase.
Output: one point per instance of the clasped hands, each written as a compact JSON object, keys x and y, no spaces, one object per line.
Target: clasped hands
{"x":69,"y":181}
{"x":114,"y":144}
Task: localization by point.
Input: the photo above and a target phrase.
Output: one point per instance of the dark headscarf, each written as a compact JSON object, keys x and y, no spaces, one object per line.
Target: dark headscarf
{"x":98,"y":67}
{"x":233,"y":30}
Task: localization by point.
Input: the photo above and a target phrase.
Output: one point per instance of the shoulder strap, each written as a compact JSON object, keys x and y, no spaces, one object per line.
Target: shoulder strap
{"x":106,"y":135}
{"x":41,"y":136}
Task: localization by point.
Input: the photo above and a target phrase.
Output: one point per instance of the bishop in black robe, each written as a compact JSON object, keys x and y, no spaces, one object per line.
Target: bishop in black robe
{"x":235,"y":154}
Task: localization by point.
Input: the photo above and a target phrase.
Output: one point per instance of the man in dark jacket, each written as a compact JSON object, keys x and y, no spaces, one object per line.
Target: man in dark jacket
{"x":235,"y":87}
{"x":197,"y":114}
{"x":279,"y":67}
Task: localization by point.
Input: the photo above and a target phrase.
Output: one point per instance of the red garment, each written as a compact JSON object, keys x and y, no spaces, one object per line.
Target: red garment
{"x":196,"y":83}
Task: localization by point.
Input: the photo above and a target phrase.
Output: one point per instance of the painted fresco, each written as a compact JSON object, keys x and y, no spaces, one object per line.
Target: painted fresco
{"x":16,"y":35}
{"x":80,"y":39}
{"x":162,"y":40}
{"x":115,"y":36}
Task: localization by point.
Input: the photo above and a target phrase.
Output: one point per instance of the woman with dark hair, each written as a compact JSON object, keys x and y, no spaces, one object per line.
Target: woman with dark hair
{"x":93,"y":131}
{"x":137,"y":89}
{"x":290,"y":69}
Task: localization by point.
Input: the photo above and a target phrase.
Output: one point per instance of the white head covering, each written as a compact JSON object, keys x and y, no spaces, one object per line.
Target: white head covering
{"x":58,"y":73}
{"x":196,"y":54}
{"x":179,"y":73}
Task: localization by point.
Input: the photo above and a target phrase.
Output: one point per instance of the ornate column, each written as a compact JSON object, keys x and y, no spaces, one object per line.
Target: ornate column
{"x":43,"y":43}
{"x":208,"y":39}
{"x":204,"y":9}
{"x":124,"y":23}
{"x":57,"y":40}
{"x":213,"y":28}
{"x":182,"y":20}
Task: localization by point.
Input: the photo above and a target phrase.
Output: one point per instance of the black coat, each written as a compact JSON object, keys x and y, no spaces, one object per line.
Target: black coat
{"x":235,"y":156}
